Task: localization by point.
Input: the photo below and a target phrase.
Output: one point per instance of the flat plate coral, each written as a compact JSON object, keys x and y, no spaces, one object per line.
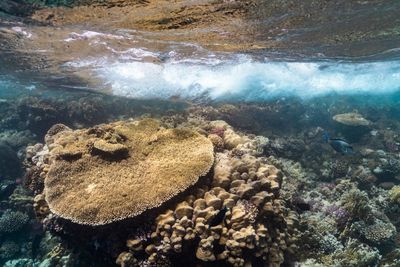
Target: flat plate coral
{"x":119,"y":170}
{"x":351,"y":119}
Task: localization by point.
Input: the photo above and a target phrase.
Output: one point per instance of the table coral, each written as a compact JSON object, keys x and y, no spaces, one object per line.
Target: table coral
{"x":111,"y":172}
{"x":351,"y":119}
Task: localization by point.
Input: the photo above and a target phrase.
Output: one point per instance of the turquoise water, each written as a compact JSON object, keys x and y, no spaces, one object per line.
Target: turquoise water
{"x":346,"y":204}
{"x":248,"y":80}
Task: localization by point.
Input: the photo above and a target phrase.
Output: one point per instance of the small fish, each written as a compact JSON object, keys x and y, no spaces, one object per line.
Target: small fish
{"x":339,"y":145}
{"x":218,"y":218}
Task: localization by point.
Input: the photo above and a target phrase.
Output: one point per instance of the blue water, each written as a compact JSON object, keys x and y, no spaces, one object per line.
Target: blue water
{"x":289,"y":98}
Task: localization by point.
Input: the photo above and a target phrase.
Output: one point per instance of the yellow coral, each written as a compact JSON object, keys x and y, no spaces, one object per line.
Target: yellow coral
{"x":394,"y":194}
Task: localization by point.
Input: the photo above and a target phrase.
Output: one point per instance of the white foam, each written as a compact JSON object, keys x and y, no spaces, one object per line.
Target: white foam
{"x":22,"y":31}
{"x":246,"y":80}
{"x":86,"y":35}
{"x":133,"y":53}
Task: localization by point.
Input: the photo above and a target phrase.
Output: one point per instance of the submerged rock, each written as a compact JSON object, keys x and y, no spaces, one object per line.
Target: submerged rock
{"x":10,"y":166}
{"x":8,"y":250}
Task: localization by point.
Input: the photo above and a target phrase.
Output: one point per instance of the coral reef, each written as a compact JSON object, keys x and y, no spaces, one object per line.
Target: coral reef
{"x":285,"y":198}
{"x":351,"y":119}
{"x":8,"y":250}
{"x":394,"y":194}
{"x":12,"y":221}
{"x":121,"y":169}
{"x":256,"y":227}
{"x":355,"y":254}
{"x":236,"y":215}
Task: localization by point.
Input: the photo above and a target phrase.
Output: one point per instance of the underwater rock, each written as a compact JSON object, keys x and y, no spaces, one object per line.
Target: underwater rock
{"x":119,"y":170}
{"x":18,"y":8}
{"x":6,"y":188}
{"x":8,"y":250}
{"x":40,"y":114}
{"x":351,"y":119}
{"x":10,"y":166}
{"x":23,"y":262}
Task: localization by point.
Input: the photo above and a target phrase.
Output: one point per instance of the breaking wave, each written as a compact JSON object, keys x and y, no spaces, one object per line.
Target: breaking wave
{"x":247,"y":80}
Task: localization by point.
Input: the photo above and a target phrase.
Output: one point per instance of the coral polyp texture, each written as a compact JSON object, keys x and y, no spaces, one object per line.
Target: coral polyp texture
{"x":233,"y":216}
{"x":115,"y":171}
{"x":238,"y":219}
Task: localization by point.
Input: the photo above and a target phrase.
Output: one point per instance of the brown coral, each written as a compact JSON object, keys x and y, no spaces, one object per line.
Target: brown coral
{"x":119,"y":170}
{"x":236,"y":218}
{"x":351,"y":119}
{"x":256,"y":226}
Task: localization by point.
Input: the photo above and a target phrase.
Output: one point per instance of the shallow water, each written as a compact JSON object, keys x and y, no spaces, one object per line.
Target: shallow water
{"x":281,"y":71}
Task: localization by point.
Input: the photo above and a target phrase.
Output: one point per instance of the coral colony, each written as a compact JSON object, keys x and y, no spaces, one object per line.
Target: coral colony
{"x":158,"y":133}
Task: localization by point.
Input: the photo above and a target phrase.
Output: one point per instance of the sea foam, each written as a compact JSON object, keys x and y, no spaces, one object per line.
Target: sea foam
{"x":248,"y":80}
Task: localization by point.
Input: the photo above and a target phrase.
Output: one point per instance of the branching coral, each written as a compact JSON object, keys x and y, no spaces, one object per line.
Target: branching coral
{"x":355,"y":254}
{"x":356,"y":203}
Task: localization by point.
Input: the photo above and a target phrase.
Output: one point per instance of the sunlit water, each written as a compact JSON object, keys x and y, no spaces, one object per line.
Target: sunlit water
{"x":190,"y":72}
{"x":247,"y":80}
{"x":134,"y":75}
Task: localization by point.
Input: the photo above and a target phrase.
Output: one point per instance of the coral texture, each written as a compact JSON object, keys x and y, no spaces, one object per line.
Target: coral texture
{"x":111,"y":172}
{"x":12,"y":221}
{"x":351,"y":119}
{"x":255,"y":228}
